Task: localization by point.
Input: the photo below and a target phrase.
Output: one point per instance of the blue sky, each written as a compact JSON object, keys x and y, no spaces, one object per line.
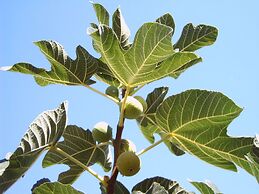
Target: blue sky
{"x":229,"y":66}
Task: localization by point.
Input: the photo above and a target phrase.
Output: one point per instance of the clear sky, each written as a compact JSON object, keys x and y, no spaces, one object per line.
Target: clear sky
{"x":229,"y":66}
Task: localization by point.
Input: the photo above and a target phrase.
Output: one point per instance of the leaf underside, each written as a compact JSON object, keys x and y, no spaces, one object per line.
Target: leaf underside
{"x":193,"y":38}
{"x":159,"y":184}
{"x":197,"y":121}
{"x":55,"y":188}
{"x":45,"y":131}
{"x":64,"y":70}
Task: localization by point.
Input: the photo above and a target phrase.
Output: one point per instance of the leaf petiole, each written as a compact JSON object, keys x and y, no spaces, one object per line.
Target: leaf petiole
{"x":153,"y":145}
{"x":102,"y":94}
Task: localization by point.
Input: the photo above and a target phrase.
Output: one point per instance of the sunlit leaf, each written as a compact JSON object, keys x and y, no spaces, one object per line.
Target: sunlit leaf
{"x":147,"y":121}
{"x":44,"y":131}
{"x":79,"y":144}
{"x":64,"y":70}
{"x":55,"y":188}
{"x":121,"y":29}
{"x":104,"y":74}
{"x":160,"y":185}
{"x":101,"y":13}
{"x":167,"y":20}
{"x":137,"y":65}
{"x":194,"y":38}
{"x":197,"y":120}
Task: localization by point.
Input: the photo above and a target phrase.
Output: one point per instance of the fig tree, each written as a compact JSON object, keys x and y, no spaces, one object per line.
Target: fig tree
{"x":133,"y":108}
{"x":102,"y":132}
{"x":128,"y":164}
{"x":112,"y":91}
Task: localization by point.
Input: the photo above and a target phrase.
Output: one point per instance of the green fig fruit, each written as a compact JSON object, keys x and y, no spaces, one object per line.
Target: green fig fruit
{"x":112,"y":91}
{"x":127,"y":146}
{"x":133,"y":108}
{"x":142,"y":101}
{"x":128,"y":164}
{"x":102,"y":132}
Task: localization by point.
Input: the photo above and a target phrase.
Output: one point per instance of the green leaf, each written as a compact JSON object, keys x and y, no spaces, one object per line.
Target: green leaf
{"x":80,"y":144}
{"x":119,"y":188}
{"x":104,"y":74}
{"x":172,"y":146}
{"x":55,"y":188}
{"x":121,"y":29}
{"x":44,"y":132}
{"x":197,"y":120}
{"x":137,"y":65}
{"x":159,"y":184}
{"x":205,"y":188}
{"x":167,"y":20}
{"x":155,"y":188}
{"x":64,"y":70}
{"x":101,"y":13}
{"x":179,"y":71}
{"x":253,"y":158}
{"x":147,"y":121}
{"x":194,"y":38}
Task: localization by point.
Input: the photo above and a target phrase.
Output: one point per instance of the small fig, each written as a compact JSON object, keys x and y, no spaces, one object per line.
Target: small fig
{"x":112,"y":91}
{"x":127,"y":146}
{"x":128,"y":164}
{"x":142,"y":101}
{"x":133,"y":108}
{"x":102,"y":132}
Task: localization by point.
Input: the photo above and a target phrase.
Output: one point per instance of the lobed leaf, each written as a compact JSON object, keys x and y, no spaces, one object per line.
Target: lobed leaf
{"x":64,"y":70}
{"x":45,"y":131}
{"x":194,"y":38}
{"x":80,"y":144}
{"x":137,"y":65}
{"x":160,"y":185}
{"x":55,"y":188}
{"x":197,"y":121}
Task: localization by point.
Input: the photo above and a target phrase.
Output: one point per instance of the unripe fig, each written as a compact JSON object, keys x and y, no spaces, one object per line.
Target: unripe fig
{"x":112,"y":91}
{"x":142,"y":101}
{"x":127,"y":146}
{"x":128,"y":164}
{"x":133,"y":108}
{"x":102,"y":132}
